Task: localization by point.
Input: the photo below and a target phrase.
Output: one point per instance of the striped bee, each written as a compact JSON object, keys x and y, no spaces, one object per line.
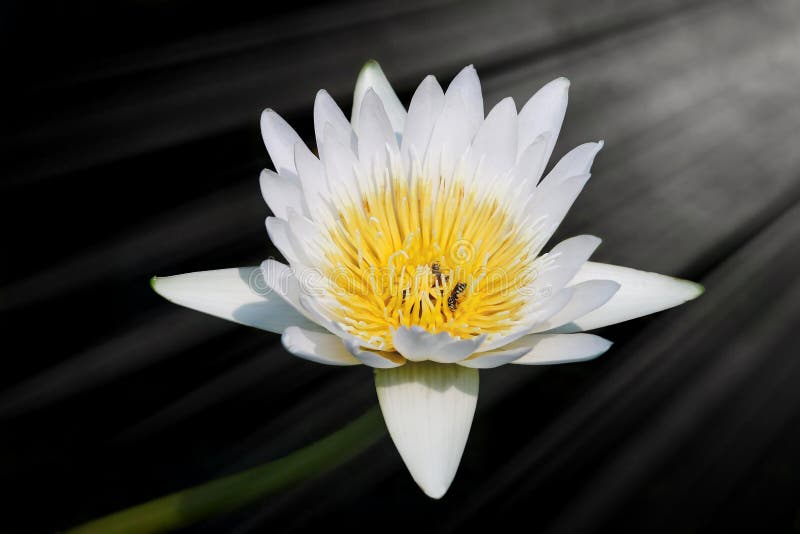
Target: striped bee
{"x":452,"y":300}
{"x":436,"y":270}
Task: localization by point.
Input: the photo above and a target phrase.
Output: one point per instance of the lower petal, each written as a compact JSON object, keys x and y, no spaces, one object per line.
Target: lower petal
{"x":494,"y":358}
{"x":546,"y":349}
{"x":373,"y":358}
{"x":428,"y":409}
{"x":318,"y":347}
{"x":417,"y":344}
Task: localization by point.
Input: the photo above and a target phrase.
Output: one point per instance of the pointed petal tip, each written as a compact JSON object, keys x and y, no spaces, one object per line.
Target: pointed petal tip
{"x":592,"y":241}
{"x":507,"y":104}
{"x":435,"y":492}
{"x":699,"y":288}
{"x":597,"y":147}
{"x":466,"y":75}
{"x":684,"y":290}
{"x":267,"y":114}
{"x":601,"y":349}
{"x":371,"y":94}
{"x":428,"y":409}
{"x":371,"y":63}
{"x":372,"y":77}
{"x":693,"y":289}
{"x":157,"y":283}
{"x":287,"y":339}
{"x":561,"y":83}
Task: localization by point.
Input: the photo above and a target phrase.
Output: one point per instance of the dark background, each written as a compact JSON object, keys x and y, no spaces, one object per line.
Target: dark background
{"x":130,"y":147}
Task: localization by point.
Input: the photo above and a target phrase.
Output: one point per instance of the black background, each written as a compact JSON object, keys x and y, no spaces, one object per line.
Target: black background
{"x":130,"y":147}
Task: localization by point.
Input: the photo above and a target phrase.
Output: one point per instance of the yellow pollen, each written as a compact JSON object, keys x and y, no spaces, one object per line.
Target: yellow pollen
{"x":427,"y":252}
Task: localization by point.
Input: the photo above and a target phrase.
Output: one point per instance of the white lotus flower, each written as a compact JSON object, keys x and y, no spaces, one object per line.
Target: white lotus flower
{"x":414,"y":246}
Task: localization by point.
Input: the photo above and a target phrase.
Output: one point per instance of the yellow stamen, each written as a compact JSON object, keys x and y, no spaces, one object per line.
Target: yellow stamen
{"x":428,"y":252}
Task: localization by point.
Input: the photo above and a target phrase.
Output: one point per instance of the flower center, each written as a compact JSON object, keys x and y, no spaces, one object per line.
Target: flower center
{"x":428,"y":252}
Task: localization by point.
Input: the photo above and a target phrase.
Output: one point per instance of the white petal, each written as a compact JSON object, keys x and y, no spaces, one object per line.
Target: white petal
{"x":309,"y":167}
{"x":561,"y":348}
{"x":544,"y":112}
{"x":555,"y":195}
{"x":550,"y":306}
{"x":456,"y":126}
{"x":586,"y":296}
{"x":237,"y":294}
{"x":327,"y":112}
{"x":495,"y":144}
{"x":641,"y":293}
{"x":468,"y":84}
{"x":494,"y":358}
{"x":576,"y":162}
{"x":417,"y":344}
{"x":318,"y":347}
{"x":281,"y":279}
{"x":279,"y":138}
{"x":428,"y":409}
{"x":375,"y":132}
{"x":552,"y":201}
{"x":291,"y":283}
{"x":372,"y":77}
{"x":313,"y":180}
{"x":373,"y":358}
{"x":562,"y":263}
{"x":306,"y":236}
{"x":287,"y":243}
{"x":319,"y":315}
{"x":281,"y":193}
{"x":450,"y":137}
{"x":531,"y":165}
{"x":340,"y":164}
{"x":425,"y":108}
{"x":546,"y":304}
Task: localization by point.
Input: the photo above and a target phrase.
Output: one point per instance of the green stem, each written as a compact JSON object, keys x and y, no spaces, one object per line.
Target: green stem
{"x":185,"y":507}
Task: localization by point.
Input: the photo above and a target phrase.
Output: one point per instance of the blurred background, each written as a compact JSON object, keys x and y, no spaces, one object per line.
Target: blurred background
{"x":130,"y":147}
